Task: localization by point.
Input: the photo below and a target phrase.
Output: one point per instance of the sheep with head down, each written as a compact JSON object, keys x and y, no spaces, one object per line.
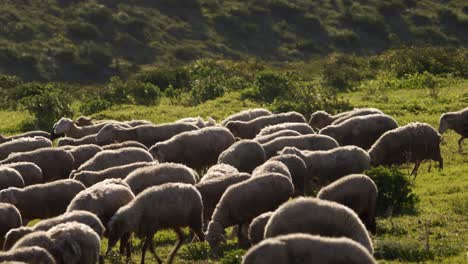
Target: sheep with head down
{"x":304,"y":248}
{"x":29,"y":134}
{"x":198,"y":121}
{"x":298,"y":170}
{"x":10,"y":218}
{"x":68,"y":141}
{"x":125,"y":144}
{"x":303,"y":142}
{"x":281,"y":133}
{"x":245,"y":155}
{"x":272,"y":166}
{"x":10,"y":178}
{"x":257,"y":227}
{"x":23,"y":145}
{"x":321,"y":119}
{"x":27,"y":255}
{"x":457,"y":121}
{"x":246,"y":115}
{"x":68,"y":127}
{"x":301,"y":128}
{"x":317,"y":217}
{"x":82,"y":153}
{"x":30,"y":172}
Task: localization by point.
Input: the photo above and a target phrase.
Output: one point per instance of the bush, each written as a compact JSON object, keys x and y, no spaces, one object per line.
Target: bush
{"x":145,"y":93}
{"x":270,"y":85}
{"x":342,"y":71}
{"x":195,"y":251}
{"x":395,"y":191}
{"x":207,"y":81}
{"x":83,"y":30}
{"x":233,"y":257}
{"x":92,"y":106}
{"x":165,"y":77}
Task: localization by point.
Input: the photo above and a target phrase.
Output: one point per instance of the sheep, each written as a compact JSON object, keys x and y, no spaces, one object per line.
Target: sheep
{"x":143,"y":178}
{"x":244,"y":155}
{"x":171,"y":205}
{"x":321,"y":119}
{"x":83,"y":217}
{"x":249,"y":129}
{"x":68,"y":141}
{"x":301,"y":128}
{"x":148,"y":135}
{"x":89,"y":178}
{"x":246,"y":115}
{"x":29,"y":134}
{"x":272,"y":166}
{"x":125,"y":144}
{"x":457,"y":121}
{"x":212,"y":190}
{"x":54,"y":163}
{"x":42,"y":200}
{"x":23,"y":145}
{"x":10,"y":218}
{"x":111,"y":158}
{"x":38,"y":239}
{"x":317,"y":217}
{"x":298,"y":170}
{"x":83,"y":153}
{"x":219,"y":170}
{"x":414,"y":142}
{"x":10,"y":178}
{"x":30,"y":172}
{"x":304,"y":248}
{"x":303,"y":142}
{"x":281,"y":133}
{"x":196,"y":149}
{"x":244,"y":201}
{"x":257,"y":227}
{"x":356,"y":191}
{"x":28,"y":255}
{"x":198,"y":121}
{"x":360,"y":131}
{"x":87,"y":121}
{"x":67,"y":127}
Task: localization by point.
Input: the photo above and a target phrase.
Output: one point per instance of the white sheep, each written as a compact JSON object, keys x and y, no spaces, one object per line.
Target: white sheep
{"x":246,"y":115}
{"x":245,"y":155}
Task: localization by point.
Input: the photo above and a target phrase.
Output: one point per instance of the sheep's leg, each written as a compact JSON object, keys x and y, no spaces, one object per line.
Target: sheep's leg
{"x":460,"y":143}
{"x":241,"y":239}
{"x":144,"y":248}
{"x":153,"y":251}
{"x":177,"y":245}
{"x":415,"y":169}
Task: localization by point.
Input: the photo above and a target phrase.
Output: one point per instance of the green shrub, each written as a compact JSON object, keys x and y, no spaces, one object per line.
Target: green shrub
{"x":207,"y":81}
{"x":164,"y":77}
{"x":342,"y":71}
{"x":395,"y":191}
{"x":145,"y":93}
{"x":94,"y":105}
{"x":270,"y":84}
{"x":83,"y":30}
{"x":117,"y":91}
{"x":233,"y":257}
{"x":195,"y":251}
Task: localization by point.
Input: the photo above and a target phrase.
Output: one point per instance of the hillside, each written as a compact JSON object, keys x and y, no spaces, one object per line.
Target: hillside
{"x":89,"y":41}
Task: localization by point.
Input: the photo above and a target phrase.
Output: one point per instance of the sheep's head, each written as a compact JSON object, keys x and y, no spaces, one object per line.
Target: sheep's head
{"x":235,"y":128}
{"x":9,"y":196}
{"x":14,"y":235}
{"x":84,"y":121}
{"x":214,"y":234}
{"x":116,"y":228}
{"x":107,"y":134}
{"x":320,"y":119}
{"x":445,"y":122}
{"x":158,"y":153}
{"x":62,"y":126}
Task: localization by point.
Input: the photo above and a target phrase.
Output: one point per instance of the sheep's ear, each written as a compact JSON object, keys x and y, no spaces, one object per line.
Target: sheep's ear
{"x":70,"y":251}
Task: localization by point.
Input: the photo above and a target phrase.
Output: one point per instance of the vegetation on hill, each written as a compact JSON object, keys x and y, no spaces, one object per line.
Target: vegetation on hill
{"x":90,"y":41}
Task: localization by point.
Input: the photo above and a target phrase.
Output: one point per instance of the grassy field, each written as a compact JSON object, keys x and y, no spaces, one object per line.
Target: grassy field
{"x":437,"y":232}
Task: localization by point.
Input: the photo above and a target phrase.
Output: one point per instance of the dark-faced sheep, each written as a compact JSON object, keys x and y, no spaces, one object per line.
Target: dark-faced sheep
{"x":414,"y":143}
{"x":356,"y":191}
{"x":172,"y":205}
{"x":249,"y":129}
{"x":147,"y":135}
{"x":197,"y":149}
{"x":360,"y":131}
{"x":10,"y":218}
{"x":243,"y":201}
{"x":23,"y":145}
{"x":303,"y":142}
{"x":321,"y":119}
{"x":246,"y":115}
{"x":245,"y":155}
{"x":457,"y":121}
{"x":304,"y":248}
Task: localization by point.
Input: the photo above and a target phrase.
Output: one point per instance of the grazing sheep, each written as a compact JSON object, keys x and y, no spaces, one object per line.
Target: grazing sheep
{"x":198,"y":121}
{"x":356,"y":191}
{"x":317,"y":217}
{"x":246,"y":115}
{"x":89,"y":178}
{"x":272,"y":166}
{"x":281,"y":133}
{"x":38,"y":239}
{"x":23,"y":145}
{"x":30,"y":172}
{"x":42,"y":200}
{"x":212,"y":190}
{"x":304,"y":248}
{"x":111,"y":158}
{"x":88,"y":121}
{"x":244,"y":155}
{"x":298,"y":170}
{"x":27,"y":255}
{"x":243,"y":201}
{"x":146,"y":177}
{"x":54,"y":163}
{"x":249,"y":129}
{"x":68,"y":141}
{"x":303,"y":142}
{"x":301,"y":128}
{"x":328,"y":166}
{"x":360,"y":131}
{"x":125,"y":144}
{"x":257,"y":227}
{"x":414,"y":142}
{"x":67,"y":127}
{"x":321,"y":119}
{"x":83,"y":153}
{"x":171,"y":205}
{"x":83,"y":217}
{"x":457,"y":121}
{"x":219,"y":170}
{"x":197,"y":149}
{"x":29,"y":134}
{"x":147,"y":135}
{"x":10,"y":178}
{"x":10,"y":218}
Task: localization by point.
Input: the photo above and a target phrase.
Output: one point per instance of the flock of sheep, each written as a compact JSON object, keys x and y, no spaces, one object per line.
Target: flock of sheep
{"x":118,"y":179}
